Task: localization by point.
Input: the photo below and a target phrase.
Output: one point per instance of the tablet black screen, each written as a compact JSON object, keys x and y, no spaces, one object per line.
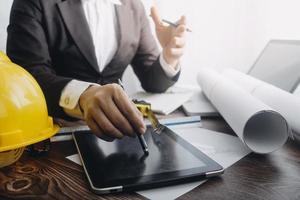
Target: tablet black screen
{"x":108,"y":163}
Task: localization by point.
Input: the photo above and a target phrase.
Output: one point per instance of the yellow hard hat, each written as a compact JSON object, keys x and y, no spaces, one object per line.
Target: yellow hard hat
{"x":24,"y":116}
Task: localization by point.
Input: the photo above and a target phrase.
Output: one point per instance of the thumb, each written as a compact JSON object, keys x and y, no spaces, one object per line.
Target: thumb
{"x":155,"y":16}
{"x":182,"y":20}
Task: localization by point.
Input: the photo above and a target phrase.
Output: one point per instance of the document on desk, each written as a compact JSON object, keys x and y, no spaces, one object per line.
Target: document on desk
{"x":200,"y":105}
{"x":167,"y":102}
{"x":260,"y":127}
{"x":223,"y":148}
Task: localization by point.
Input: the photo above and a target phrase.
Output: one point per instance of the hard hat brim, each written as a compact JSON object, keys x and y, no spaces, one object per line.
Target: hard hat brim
{"x":49,"y":132}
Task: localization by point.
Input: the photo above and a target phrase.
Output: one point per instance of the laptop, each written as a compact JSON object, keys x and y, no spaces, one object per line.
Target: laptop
{"x":278,"y":64}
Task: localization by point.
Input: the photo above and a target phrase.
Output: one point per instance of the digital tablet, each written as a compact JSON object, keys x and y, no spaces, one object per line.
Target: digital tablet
{"x":121,"y":165}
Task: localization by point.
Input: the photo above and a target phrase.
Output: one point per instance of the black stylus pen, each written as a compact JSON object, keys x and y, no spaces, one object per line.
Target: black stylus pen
{"x":140,"y":137}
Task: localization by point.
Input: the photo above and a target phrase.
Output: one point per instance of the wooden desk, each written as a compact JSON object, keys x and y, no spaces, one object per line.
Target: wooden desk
{"x":273,"y":176}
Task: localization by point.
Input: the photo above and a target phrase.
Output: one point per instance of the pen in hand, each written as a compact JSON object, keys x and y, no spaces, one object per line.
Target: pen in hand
{"x":140,"y":137}
{"x":174,"y":24}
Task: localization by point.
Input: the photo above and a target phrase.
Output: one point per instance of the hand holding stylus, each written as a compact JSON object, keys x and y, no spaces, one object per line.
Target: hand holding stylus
{"x":110,"y":113}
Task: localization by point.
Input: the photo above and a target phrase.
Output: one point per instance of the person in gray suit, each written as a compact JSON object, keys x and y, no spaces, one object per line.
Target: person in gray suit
{"x":78,"y":49}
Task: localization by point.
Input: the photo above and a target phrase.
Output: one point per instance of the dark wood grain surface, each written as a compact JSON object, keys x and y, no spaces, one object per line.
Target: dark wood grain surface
{"x":273,"y":176}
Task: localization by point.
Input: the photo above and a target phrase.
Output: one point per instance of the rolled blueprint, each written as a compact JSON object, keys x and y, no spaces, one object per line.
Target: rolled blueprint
{"x":260,"y":127}
{"x":287,"y":104}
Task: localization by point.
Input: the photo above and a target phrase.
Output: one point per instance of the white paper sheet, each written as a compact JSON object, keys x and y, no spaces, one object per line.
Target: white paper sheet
{"x":223,"y":148}
{"x":297,"y":91}
{"x":259,"y":126}
{"x":284,"y":102}
{"x":75,"y":158}
{"x":199,"y":105}
{"x":167,"y":102}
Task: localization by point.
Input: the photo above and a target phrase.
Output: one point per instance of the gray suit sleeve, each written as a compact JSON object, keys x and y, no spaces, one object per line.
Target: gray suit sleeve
{"x":146,"y":63}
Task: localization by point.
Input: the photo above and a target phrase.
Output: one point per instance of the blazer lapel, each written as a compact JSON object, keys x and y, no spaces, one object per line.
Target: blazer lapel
{"x":124,"y":22}
{"x":75,"y":21}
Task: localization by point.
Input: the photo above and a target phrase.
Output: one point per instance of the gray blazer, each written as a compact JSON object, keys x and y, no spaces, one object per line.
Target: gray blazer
{"x":51,"y":39}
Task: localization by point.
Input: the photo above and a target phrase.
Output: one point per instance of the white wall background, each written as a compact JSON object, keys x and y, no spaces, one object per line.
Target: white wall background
{"x":226,"y":33}
{"x":231,"y":33}
{"x":4,"y":18}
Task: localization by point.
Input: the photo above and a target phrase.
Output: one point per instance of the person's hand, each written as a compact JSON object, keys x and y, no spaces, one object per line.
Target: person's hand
{"x":171,"y":39}
{"x":110,"y":113}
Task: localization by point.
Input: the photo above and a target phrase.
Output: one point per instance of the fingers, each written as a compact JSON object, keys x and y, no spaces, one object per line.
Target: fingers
{"x":175,"y":48}
{"x":176,"y":52}
{"x":180,"y":31}
{"x":155,"y":16}
{"x":105,"y":124}
{"x":118,"y":120}
{"x":178,"y":42}
{"x":110,"y":113}
{"x":97,"y":131}
{"x":182,"y":20}
{"x":130,"y":111}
